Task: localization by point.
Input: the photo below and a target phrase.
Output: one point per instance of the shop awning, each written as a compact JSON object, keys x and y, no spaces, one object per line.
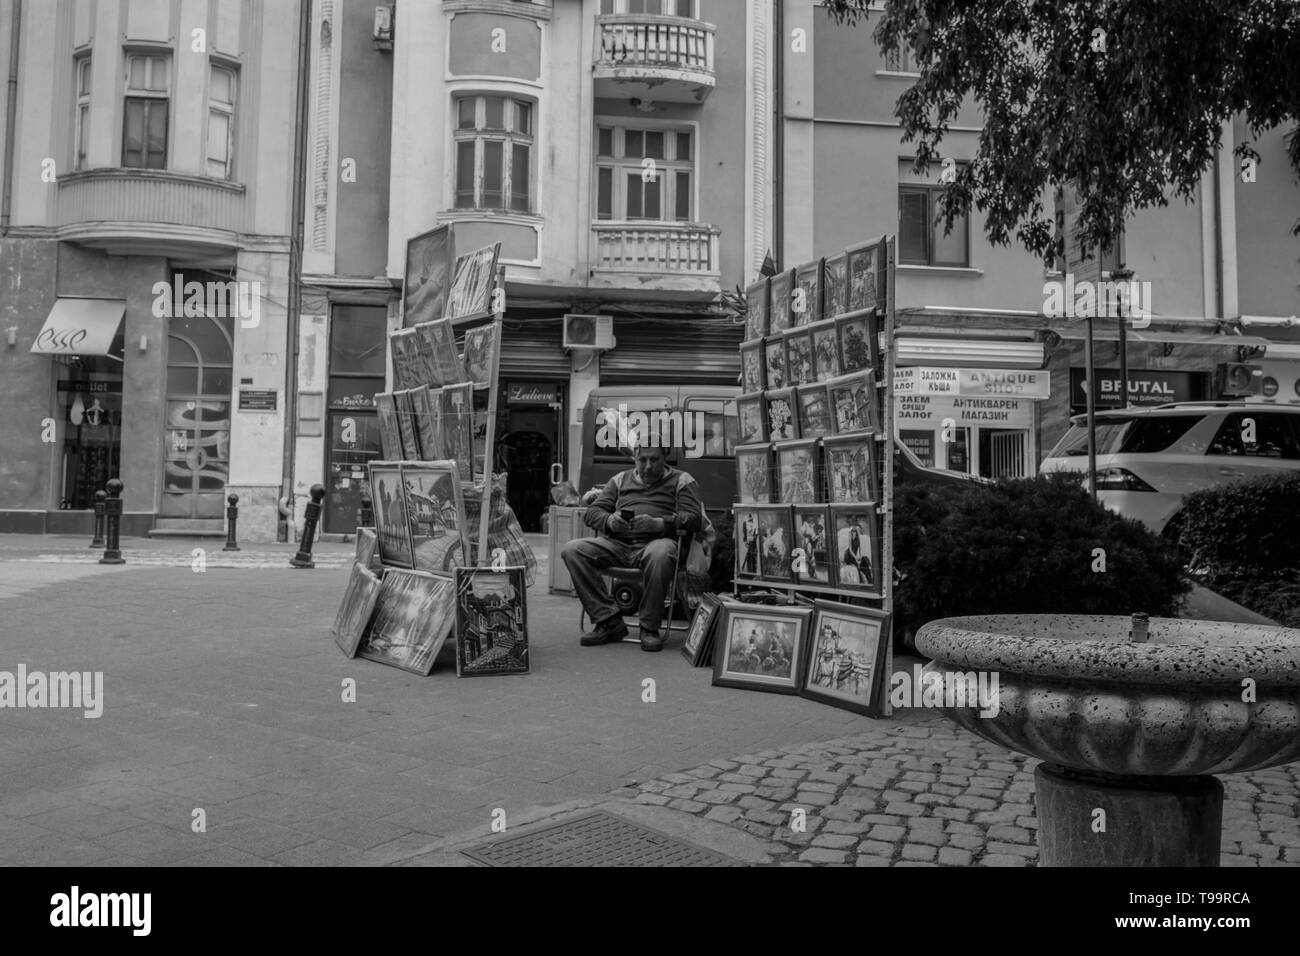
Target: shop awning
{"x":82,"y":327}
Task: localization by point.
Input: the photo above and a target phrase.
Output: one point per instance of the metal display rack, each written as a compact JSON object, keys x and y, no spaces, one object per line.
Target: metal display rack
{"x":883,"y":361}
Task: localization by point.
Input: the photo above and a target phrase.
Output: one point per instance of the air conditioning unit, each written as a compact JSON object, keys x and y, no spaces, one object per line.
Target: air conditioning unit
{"x":1238,"y":378}
{"x":384,"y":27}
{"x":588,"y":331}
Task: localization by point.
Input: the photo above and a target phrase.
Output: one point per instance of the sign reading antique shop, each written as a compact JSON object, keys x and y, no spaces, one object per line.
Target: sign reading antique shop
{"x":531,"y":393}
{"x":1145,"y":387}
{"x":257,"y":399}
{"x":972,"y":382}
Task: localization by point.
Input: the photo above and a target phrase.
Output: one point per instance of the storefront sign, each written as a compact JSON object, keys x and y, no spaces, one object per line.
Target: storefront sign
{"x":931,"y":410}
{"x":920,"y":444}
{"x":531,"y":393}
{"x":92,"y":388}
{"x":972,"y":382}
{"x":257,"y":399}
{"x":1145,"y":387}
{"x":352,"y":401}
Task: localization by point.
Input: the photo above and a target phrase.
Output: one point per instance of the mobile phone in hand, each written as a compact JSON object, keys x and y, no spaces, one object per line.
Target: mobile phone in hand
{"x":627,"y":515}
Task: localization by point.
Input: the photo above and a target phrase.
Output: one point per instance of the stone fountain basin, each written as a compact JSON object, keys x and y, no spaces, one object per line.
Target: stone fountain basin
{"x":1073,"y":690}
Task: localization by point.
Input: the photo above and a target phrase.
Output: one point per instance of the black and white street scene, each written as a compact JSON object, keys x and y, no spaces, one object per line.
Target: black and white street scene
{"x":644,"y":433}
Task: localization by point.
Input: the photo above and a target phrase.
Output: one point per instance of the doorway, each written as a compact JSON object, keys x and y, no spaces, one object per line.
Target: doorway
{"x":527,"y":451}
{"x":200,"y":351}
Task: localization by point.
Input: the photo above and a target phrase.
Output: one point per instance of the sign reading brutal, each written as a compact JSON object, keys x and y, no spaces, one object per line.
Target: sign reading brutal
{"x":1145,"y":387}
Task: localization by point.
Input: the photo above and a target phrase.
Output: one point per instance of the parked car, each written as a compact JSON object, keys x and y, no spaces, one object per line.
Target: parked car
{"x":1150,"y":459}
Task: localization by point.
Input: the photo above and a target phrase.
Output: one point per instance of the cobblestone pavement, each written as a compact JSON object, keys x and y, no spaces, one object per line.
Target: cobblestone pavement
{"x":929,"y":795}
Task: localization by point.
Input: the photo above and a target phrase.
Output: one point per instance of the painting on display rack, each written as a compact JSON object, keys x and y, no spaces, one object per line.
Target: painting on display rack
{"x":853,"y":402}
{"x":815,"y":420}
{"x":782,"y":415}
{"x":391,"y":524}
{"x":826,"y":353}
{"x":752,"y":367}
{"x":866,"y":276}
{"x":857,"y":338}
{"x":779,"y":315}
{"x":471,"y":286}
{"x":799,"y":369}
{"x":756,"y":310}
{"x":746,"y":542}
{"x":480,"y":345}
{"x":390,"y":436}
{"x":810,"y":561}
{"x":857,"y":548}
{"x":458,"y":427}
{"x":413,"y":620}
{"x":754,"y":473}
{"x":491,"y":622}
{"x":797,"y":473}
{"x":760,"y":647}
{"x":851,"y":468}
{"x":807,"y":296}
{"x":774,"y":536}
{"x":436,"y":343}
{"x":774,"y":366}
{"x":846,"y":657}
{"x":436,"y":513}
{"x":429,"y":262}
{"x":699,"y":639}
{"x":835,"y":287}
{"x":751,"y":419}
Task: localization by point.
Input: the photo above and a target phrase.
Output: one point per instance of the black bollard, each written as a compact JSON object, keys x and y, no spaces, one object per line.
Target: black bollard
{"x":303,"y":558}
{"x":100,"y":511}
{"x":232,"y":516}
{"x":113,"y":519}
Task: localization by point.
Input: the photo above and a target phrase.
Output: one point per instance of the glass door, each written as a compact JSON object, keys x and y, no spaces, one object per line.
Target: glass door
{"x":197,"y":438}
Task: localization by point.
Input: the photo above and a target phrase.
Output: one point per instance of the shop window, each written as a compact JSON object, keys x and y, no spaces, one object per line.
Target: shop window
{"x":145,"y":113}
{"x":494,"y":144}
{"x":90,"y":403}
{"x":672,"y":8}
{"x":901,"y":60}
{"x":197,"y":438}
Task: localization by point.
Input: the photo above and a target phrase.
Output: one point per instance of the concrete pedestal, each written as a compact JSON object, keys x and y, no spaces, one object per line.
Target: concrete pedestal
{"x":1143,"y":821}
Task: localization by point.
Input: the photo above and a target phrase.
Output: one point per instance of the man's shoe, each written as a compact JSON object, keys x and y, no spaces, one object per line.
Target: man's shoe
{"x":609,"y":631}
{"x":651,"y":640}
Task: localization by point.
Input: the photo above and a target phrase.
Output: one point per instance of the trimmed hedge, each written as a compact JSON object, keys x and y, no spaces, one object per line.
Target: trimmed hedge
{"x":1024,"y":546}
{"x":1243,"y":539}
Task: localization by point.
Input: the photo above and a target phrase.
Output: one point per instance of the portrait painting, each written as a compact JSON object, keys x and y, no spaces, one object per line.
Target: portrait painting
{"x":846,"y":657}
{"x":857,"y":548}
{"x":810,"y":561}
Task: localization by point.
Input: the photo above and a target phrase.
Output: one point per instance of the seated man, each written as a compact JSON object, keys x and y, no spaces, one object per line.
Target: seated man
{"x":663,"y":501}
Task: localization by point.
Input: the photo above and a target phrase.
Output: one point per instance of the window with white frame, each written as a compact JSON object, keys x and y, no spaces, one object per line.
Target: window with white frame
{"x":901,"y":61}
{"x":82,"y":133}
{"x":494,"y":150}
{"x":645,"y":174}
{"x":671,"y":8}
{"x":222,"y":86}
{"x":145,"y":116}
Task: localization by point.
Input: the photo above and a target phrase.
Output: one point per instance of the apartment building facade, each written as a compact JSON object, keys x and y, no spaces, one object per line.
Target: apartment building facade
{"x":1223,"y":271}
{"x":145,"y":260}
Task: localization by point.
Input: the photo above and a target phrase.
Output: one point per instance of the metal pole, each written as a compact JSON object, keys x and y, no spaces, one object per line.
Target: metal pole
{"x":303,"y":558}
{"x":232,"y":517}
{"x":112,"y":551}
{"x":1090,"y":377}
{"x":101,"y":509}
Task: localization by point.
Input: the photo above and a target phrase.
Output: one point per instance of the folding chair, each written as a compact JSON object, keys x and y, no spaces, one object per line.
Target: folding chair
{"x":625,"y":588}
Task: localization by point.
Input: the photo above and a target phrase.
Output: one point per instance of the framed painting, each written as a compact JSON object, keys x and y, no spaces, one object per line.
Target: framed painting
{"x":846,"y":657}
{"x":826,"y":352}
{"x":358,"y":607}
{"x":700,"y":637}
{"x":756,"y":309}
{"x":412,"y":621}
{"x":430,"y":258}
{"x":856,"y":543}
{"x":367,"y":545}
{"x":436,"y":513}
{"x":865,"y":266}
{"x":853,"y":402}
{"x":428,"y":422}
{"x":754,"y":473}
{"x":810,"y":560}
{"x":436,"y":344}
{"x":760,"y":647}
{"x":391,"y":524}
{"x":815,"y":420}
{"x":779,"y":316}
{"x":480,"y":355}
{"x":774,"y":362}
{"x":797,"y":473}
{"x":751,"y":419}
{"x":479,"y":432}
{"x":491,"y":622}
{"x":471,"y":285}
{"x":835,"y":286}
{"x":782,"y":415}
{"x":857,"y":340}
{"x":774,"y":535}
{"x":408,"y":370}
{"x":390,"y":436}
{"x":851,"y":468}
{"x":458,"y":427}
{"x":753,"y":367}
{"x":799,"y":358}
{"x":406,"y":426}
{"x":806,"y":299}
{"x":746,"y":524}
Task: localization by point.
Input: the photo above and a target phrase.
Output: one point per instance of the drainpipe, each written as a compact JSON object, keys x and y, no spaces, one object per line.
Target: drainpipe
{"x":778,"y":178}
{"x":295,"y":271}
{"x":11,"y":117}
{"x":1218,"y":239}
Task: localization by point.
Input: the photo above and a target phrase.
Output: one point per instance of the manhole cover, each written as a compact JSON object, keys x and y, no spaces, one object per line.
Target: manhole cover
{"x":595,"y":839}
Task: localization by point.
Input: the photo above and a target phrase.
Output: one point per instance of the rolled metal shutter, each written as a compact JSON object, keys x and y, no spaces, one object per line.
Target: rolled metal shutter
{"x":533,"y":349}
{"x":672,"y":351}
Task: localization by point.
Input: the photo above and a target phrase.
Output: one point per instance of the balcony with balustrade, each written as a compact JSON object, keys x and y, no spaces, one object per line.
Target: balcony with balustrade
{"x":653,"y":58}
{"x":661,"y":256}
